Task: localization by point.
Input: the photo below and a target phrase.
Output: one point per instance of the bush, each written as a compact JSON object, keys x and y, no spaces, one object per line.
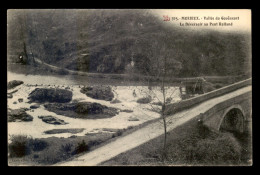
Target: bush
{"x":168,"y":100}
{"x":51,"y":159}
{"x":35,"y":156}
{"x":64,"y":152}
{"x":118,"y":133}
{"x":82,"y":147}
{"x":67,"y":149}
{"x":94,"y":143}
{"x":144,"y":100}
{"x":22,"y":145}
{"x":37,"y":144}
{"x":19,"y":146}
{"x":222,"y":149}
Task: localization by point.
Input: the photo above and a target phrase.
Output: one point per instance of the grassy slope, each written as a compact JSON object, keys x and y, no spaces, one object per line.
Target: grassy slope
{"x":188,"y":145}
{"x":55,"y":152}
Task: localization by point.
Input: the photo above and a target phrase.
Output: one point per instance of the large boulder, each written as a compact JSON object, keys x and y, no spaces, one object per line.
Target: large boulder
{"x":12,"y":84}
{"x":52,"y":120}
{"x":82,"y":110}
{"x":98,"y":92}
{"x":90,"y":108}
{"x":50,"y":95}
{"x":10,"y":94}
{"x":18,"y":115}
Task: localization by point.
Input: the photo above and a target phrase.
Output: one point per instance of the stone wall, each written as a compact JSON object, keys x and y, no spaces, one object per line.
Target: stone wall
{"x":175,"y":107}
{"x":214,"y":116}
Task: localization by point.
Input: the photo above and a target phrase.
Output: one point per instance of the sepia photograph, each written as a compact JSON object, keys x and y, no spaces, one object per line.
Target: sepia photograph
{"x":129,"y":87}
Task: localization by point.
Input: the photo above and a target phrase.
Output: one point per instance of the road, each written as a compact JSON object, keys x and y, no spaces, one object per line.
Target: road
{"x":143,"y":135}
{"x":208,"y":78}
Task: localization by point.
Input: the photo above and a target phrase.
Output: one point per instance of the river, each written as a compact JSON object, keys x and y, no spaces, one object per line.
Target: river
{"x":45,"y":79}
{"x":123,"y":93}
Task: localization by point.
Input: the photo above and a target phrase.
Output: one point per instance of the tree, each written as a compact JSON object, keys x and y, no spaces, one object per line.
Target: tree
{"x":159,"y":69}
{"x":20,"y":35}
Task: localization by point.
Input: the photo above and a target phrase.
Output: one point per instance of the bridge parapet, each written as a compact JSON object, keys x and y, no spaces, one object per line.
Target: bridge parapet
{"x":175,"y":107}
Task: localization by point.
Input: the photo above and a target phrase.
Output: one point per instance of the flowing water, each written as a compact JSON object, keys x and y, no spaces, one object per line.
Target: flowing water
{"x":37,"y":127}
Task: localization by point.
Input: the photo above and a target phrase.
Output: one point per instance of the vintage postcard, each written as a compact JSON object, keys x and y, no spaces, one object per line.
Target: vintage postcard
{"x":129,"y":87}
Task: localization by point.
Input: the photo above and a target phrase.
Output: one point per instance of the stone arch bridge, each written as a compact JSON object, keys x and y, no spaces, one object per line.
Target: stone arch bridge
{"x":232,"y":114}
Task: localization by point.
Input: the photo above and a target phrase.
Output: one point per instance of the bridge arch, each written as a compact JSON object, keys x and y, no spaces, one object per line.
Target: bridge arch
{"x":233,"y":119}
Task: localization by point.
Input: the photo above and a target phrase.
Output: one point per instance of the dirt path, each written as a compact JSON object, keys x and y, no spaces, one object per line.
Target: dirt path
{"x":55,"y":68}
{"x":153,"y":130}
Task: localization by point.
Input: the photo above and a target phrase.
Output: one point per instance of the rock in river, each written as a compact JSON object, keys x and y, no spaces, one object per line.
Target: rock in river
{"x":82,"y":110}
{"x":14,"y":83}
{"x":18,"y":115}
{"x":50,"y":95}
{"x":133,"y":119}
{"x":9,"y":96}
{"x":52,"y":120}
{"x":34,"y":106}
{"x":98,"y":92}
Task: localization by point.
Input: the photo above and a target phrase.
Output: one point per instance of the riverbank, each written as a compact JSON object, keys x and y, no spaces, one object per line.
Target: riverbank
{"x":84,"y":78}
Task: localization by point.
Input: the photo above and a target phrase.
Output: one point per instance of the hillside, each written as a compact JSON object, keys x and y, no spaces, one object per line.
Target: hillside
{"x":107,"y":40}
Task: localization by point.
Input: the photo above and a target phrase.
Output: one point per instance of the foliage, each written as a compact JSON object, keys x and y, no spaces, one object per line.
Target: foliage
{"x":118,"y":133}
{"x":37,"y":144}
{"x":18,"y":146}
{"x":207,"y":151}
{"x":108,"y":40}
{"x":22,"y":145}
{"x":66,"y":151}
{"x":189,"y":144}
{"x":81,"y":147}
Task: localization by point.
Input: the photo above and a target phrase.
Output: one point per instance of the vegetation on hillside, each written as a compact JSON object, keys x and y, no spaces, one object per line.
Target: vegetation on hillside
{"x":190,"y":144}
{"x":107,"y":41}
